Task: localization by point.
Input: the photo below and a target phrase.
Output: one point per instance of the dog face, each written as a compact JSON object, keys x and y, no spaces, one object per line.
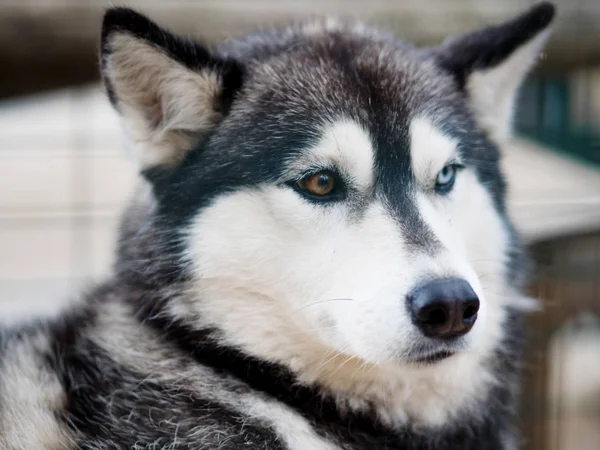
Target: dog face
{"x":328,"y":191}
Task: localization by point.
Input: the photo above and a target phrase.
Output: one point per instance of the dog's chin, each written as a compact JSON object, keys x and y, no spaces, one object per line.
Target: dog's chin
{"x":435,"y":353}
{"x":428,"y":359}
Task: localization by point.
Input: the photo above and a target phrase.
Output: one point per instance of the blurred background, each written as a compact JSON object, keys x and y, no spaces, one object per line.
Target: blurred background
{"x":64,"y":175}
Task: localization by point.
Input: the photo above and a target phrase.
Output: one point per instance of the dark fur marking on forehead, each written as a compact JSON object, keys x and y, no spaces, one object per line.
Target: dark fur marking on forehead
{"x":397,"y":188}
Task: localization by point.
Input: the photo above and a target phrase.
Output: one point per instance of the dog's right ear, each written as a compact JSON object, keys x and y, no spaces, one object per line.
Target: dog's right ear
{"x":169,"y":90}
{"x":490,"y":64}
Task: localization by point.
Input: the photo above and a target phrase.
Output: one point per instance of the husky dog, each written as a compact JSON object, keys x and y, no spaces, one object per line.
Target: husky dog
{"x":319,"y":256}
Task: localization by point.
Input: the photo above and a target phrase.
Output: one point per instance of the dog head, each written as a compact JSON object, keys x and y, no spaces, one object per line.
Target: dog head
{"x":329,"y":193}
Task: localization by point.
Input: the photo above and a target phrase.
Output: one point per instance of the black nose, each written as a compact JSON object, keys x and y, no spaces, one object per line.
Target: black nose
{"x":444,"y":308}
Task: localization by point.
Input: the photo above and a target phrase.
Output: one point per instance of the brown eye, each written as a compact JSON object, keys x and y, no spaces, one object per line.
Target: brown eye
{"x":319,"y":184}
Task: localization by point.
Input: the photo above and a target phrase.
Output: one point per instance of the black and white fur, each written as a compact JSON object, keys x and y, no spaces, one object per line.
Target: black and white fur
{"x":242,"y":314}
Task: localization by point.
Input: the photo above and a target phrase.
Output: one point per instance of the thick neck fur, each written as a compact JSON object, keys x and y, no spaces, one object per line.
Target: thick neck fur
{"x":361,"y":424}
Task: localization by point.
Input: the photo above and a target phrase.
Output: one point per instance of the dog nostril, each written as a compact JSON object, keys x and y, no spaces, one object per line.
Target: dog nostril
{"x":470,"y":311}
{"x":434,"y":316}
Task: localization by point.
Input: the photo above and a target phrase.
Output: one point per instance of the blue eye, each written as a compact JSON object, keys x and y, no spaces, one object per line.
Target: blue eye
{"x":445,"y":178}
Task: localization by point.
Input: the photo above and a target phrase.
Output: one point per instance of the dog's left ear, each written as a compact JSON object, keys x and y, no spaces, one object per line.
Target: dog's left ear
{"x":169,"y":90}
{"x":490,"y":65}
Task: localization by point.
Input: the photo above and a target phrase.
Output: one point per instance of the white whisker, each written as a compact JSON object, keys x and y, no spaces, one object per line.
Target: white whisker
{"x":321,"y":301}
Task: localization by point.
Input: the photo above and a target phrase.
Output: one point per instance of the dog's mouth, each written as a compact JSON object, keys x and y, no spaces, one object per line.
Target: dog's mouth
{"x":431,"y":358}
